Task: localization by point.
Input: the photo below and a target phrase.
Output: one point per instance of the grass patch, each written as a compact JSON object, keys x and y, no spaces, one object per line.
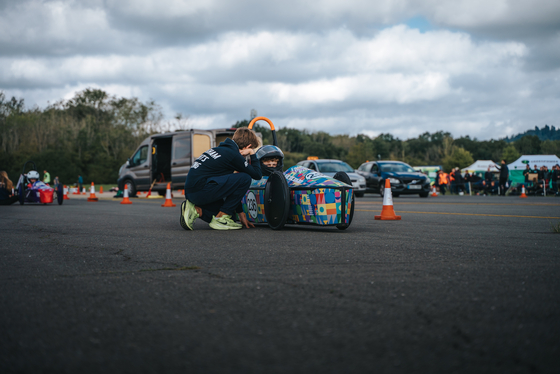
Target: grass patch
{"x":555,"y":228}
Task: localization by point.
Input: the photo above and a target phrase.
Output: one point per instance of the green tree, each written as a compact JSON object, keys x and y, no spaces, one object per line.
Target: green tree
{"x":458,"y":157}
{"x":510,"y":154}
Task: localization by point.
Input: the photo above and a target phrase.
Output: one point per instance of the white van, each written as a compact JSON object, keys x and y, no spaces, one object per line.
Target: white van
{"x":167,"y":158}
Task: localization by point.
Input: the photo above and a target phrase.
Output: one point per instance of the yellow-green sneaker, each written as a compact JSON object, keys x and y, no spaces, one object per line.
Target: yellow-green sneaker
{"x":188,"y":215}
{"x":224,"y":223}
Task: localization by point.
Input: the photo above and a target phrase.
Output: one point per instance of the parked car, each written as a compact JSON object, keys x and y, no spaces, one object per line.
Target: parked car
{"x":331,"y":167}
{"x":404,"y":179}
{"x":167,"y":158}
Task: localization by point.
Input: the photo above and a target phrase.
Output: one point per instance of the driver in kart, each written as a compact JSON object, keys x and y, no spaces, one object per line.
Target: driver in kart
{"x":35,"y":183}
{"x":271,"y":159}
{"x":218,"y":180}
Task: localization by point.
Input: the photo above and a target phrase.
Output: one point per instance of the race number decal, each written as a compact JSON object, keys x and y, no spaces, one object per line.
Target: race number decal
{"x":252,"y":204}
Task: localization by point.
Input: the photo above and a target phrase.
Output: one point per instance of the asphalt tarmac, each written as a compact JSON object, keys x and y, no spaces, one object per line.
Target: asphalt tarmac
{"x":460,"y":285}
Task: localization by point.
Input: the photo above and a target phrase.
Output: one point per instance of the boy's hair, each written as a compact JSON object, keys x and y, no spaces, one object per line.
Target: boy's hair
{"x":243,"y":137}
{"x":271,"y":158}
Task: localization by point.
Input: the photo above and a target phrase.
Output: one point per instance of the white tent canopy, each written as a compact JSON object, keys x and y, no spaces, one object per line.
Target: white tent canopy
{"x":481,"y":165}
{"x":539,"y":160}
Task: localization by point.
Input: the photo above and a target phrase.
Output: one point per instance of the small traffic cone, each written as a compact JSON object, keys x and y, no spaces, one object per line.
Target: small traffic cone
{"x":65,"y":193}
{"x":76,"y":191}
{"x":434,"y":193}
{"x":92,"y":196}
{"x":168,"y":202}
{"x":84,"y":191}
{"x":101,"y":189}
{"x":388,"y":213}
{"x":523,"y":192}
{"x":126,"y":200}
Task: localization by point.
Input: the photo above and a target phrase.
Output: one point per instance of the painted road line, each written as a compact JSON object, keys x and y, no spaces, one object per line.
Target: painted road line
{"x":464,"y":214}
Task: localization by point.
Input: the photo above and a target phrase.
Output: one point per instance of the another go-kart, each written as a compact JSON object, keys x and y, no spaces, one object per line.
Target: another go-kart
{"x":297,"y":196}
{"x":31,"y":190}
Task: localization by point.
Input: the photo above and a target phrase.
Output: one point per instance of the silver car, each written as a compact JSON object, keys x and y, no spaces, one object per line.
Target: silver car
{"x":331,"y":167}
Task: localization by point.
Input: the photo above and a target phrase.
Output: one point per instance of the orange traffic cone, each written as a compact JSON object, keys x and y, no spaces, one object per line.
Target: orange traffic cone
{"x":84,"y":191}
{"x":434,"y":193}
{"x":65,"y":193}
{"x":92,"y":196}
{"x":101,"y":189}
{"x":76,"y":191}
{"x":168,"y":202}
{"x":387,"y":213}
{"x":523,"y":192}
{"x":126,"y":200}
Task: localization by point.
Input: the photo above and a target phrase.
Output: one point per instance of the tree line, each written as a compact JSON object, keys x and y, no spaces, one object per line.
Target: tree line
{"x":94,"y":133}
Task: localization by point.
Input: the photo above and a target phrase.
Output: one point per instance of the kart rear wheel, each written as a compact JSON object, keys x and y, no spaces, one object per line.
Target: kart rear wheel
{"x":344,"y":178}
{"x":60,"y":194}
{"x":276,"y":200}
{"x":21,"y":193}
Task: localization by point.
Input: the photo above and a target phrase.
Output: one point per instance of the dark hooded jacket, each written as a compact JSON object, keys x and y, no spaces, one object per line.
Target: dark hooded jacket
{"x":218,"y":161}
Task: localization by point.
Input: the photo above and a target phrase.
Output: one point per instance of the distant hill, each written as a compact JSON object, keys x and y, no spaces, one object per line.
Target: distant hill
{"x":546,"y":133}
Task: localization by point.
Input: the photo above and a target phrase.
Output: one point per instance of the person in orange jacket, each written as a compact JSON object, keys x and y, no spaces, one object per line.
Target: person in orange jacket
{"x":442,"y":180}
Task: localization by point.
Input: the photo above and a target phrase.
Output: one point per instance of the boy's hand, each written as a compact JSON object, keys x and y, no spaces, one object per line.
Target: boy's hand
{"x":244,"y":221}
{"x":247,"y":151}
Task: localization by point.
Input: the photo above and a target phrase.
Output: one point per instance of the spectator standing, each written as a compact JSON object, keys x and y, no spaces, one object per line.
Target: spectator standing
{"x":459,"y":186}
{"x":80,"y":182}
{"x":441,"y":181}
{"x":453,"y":186}
{"x":555,"y":176}
{"x":46,"y":177}
{"x":6,"y":187}
{"x":526,"y":173}
{"x":488,"y":176}
{"x":466,"y":180}
{"x":504,"y":175}
{"x":56,"y":182}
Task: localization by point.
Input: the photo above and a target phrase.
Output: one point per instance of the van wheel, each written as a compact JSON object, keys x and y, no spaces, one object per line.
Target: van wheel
{"x":129,"y":184}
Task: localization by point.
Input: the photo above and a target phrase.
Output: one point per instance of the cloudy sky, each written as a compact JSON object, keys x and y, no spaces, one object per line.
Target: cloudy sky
{"x":484,"y":68}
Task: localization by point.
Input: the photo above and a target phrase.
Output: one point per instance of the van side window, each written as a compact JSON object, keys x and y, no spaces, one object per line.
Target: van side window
{"x":182,"y":148}
{"x":374,"y":169}
{"x":140,"y":156}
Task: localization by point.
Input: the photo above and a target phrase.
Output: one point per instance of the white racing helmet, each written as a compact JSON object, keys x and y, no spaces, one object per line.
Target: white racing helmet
{"x":33,"y":174}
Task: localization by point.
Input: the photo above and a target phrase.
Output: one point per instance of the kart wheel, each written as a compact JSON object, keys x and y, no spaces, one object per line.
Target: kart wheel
{"x":21,"y":193}
{"x":343,"y":177}
{"x":396,"y":195}
{"x":424,"y":194}
{"x":60,"y":194}
{"x":276,"y":200}
{"x":382,"y":191}
{"x":359,"y":194}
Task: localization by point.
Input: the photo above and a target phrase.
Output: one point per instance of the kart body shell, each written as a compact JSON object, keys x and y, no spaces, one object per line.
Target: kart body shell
{"x":299,"y":196}
{"x":37,"y":192}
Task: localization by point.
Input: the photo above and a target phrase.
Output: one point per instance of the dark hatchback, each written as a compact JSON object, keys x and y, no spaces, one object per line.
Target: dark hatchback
{"x":404,"y":179}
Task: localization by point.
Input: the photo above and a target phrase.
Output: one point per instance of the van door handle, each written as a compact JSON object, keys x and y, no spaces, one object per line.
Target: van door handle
{"x":174,"y":163}
{"x":145,"y":166}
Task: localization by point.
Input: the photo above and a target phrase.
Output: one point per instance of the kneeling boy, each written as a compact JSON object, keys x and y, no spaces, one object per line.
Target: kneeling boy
{"x":212,"y":189}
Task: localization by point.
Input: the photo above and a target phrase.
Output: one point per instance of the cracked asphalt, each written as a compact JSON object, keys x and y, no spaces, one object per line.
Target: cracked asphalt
{"x":460,"y":285}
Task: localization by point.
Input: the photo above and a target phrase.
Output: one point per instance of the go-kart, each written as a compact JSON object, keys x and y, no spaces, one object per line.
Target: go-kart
{"x":299,"y":195}
{"x":36,"y":192}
